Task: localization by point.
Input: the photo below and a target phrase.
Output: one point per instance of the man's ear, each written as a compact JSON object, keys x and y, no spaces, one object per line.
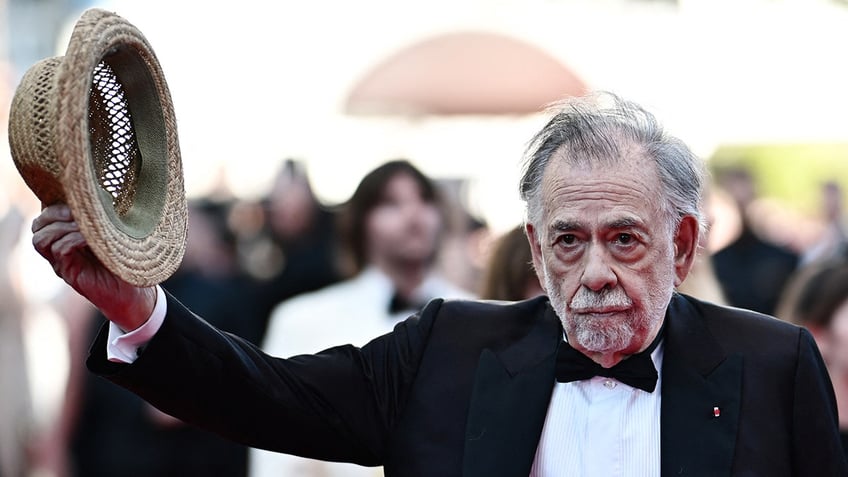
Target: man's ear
{"x":685,"y":247}
{"x":536,"y":252}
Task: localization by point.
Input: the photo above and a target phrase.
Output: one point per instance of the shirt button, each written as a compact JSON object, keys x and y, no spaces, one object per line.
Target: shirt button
{"x":609,"y":384}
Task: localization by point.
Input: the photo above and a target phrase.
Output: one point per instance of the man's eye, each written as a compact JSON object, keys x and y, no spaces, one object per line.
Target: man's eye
{"x":568,"y":239}
{"x":624,"y":239}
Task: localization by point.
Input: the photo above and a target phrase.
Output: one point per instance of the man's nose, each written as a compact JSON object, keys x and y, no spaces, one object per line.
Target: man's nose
{"x":597,"y":272}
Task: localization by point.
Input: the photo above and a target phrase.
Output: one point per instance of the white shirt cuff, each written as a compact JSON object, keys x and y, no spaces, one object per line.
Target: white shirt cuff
{"x":122,"y":347}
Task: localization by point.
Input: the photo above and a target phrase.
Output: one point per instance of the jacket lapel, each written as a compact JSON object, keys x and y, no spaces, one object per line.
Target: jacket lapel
{"x":509,"y":402}
{"x":701,"y":392}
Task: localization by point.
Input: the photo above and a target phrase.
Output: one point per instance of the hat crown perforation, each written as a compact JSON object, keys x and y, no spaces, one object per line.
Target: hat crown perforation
{"x":114,"y":148}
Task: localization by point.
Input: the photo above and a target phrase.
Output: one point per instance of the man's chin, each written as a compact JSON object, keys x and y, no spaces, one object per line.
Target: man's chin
{"x":414,"y":258}
{"x":603,"y":339}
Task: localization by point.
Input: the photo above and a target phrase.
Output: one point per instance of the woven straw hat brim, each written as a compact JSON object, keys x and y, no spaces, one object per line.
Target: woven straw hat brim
{"x":144,"y":242}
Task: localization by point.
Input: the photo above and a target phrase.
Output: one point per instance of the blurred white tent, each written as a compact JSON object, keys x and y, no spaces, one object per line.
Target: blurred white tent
{"x":476,"y":73}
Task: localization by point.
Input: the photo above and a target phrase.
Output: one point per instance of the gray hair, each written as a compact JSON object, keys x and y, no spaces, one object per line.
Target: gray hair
{"x":586,"y":131}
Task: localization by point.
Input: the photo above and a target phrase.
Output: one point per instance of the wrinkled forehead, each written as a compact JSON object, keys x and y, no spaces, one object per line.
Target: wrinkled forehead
{"x":630,"y":185}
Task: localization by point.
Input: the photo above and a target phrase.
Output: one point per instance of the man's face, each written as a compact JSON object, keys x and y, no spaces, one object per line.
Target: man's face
{"x":607,"y":258}
{"x":403,"y":228}
{"x":291,"y":208}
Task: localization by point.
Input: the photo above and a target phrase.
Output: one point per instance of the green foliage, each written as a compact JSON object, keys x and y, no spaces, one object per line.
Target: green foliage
{"x":790,"y":173}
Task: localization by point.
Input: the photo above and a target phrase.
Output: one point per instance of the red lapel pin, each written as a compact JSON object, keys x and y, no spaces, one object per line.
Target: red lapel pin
{"x":716,"y":411}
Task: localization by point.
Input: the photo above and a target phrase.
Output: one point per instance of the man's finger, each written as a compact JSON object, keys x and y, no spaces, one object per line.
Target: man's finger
{"x":69,"y":255}
{"x":68,"y":244}
{"x":50,"y":214}
{"x":44,"y":237}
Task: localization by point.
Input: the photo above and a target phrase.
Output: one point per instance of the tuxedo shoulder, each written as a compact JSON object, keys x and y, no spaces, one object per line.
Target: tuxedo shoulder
{"x":489,"y":321}
{"x":456,"y":331}
{"x":732,"y":313}
{"x":470,"y":309}
{"x":734,"y":322}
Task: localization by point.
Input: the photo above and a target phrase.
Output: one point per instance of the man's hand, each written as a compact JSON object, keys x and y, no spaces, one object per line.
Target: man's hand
{"x":57,"y":238}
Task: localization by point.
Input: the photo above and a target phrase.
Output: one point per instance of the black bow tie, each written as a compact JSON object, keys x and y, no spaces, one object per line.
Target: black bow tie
{"x":638,"y":370}
{"x":399,"y":303}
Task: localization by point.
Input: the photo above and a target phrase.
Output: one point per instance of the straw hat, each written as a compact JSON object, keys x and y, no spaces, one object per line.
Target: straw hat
{"x":96,"y":129}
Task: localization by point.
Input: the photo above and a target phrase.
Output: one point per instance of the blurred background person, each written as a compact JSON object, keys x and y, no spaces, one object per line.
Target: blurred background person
{"x":293,"y":250}
{"x":464,"y":245}
{"x":390,"y":232}
{"x":509,"y":273}
{"x":833,"y":243}
{"x":821,"y":306}
{"x":702,"y":281}
{"x":751,"y":270}
{"x":210,"y":276}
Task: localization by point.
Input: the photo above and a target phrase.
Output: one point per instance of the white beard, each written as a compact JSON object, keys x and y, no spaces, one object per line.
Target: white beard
{"x":602,"y":335}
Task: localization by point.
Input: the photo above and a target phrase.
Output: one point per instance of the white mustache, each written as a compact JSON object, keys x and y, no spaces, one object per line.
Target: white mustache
{"x":586,"y":299}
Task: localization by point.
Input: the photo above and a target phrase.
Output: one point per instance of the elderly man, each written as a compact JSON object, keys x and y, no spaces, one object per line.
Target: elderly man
{"x":615,"y":374}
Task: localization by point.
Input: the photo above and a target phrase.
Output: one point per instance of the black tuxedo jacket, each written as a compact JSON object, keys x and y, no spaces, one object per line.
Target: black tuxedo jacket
{"x":462,"y":389}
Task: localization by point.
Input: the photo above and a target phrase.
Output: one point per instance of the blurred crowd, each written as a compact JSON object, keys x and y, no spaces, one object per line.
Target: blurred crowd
{"x":295,"y":275}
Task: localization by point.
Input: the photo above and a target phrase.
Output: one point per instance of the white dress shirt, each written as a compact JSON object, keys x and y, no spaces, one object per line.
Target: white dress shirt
{"x":601,"y":427}
{"x":122,"y":347}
